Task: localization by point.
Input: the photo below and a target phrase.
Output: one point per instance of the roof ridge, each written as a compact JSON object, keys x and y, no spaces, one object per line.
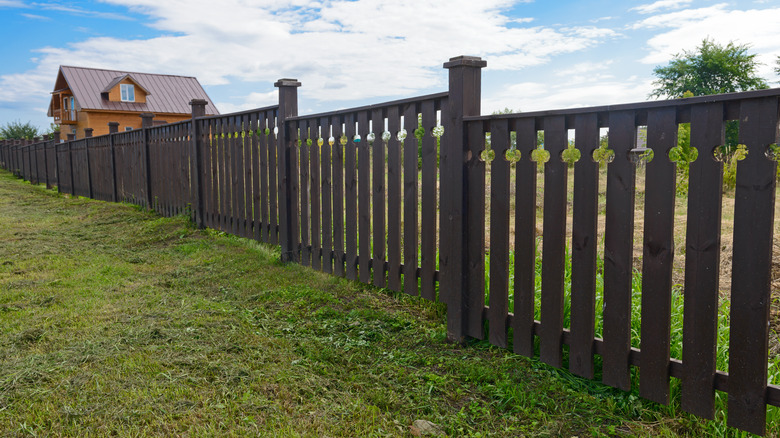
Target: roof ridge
{"x":127,"y":72}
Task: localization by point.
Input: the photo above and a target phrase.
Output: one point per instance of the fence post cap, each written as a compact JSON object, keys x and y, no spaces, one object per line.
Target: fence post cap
{"x":198,"y":102}
{"x":286,"y":82}
{"x":465,"y":61}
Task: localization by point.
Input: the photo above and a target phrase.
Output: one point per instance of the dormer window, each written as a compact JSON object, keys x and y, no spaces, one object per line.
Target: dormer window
{"x":127,"y":92}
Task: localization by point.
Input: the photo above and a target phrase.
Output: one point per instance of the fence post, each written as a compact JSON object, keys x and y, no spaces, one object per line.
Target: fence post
{"x":88,"y":134}
{"x":146,"y":123}
{"x":288,"y":218}
{"x":465,"y":78}
{"x":113,"y":128}
{"x":198,"y":110}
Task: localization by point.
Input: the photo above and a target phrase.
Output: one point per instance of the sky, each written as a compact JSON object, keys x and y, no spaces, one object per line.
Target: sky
{"x":540,"y":55}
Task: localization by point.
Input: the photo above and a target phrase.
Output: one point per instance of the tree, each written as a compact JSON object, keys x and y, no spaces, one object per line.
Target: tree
{"x":709,"y":69}
{"x":17,"y":130}
{"x":777,"y":68}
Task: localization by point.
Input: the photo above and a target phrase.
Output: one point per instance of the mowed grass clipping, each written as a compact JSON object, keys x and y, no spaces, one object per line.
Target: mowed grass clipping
{"x":115,"y":321}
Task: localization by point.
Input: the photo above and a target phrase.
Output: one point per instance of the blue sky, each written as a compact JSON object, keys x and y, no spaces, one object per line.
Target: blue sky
{"x":540,"y":54}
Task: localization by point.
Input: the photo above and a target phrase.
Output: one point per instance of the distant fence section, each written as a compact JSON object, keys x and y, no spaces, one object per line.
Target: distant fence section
{"x":398,"y":195}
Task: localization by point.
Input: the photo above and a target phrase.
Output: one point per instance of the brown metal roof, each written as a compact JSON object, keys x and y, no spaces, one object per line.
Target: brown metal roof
{"x":166,"y":93}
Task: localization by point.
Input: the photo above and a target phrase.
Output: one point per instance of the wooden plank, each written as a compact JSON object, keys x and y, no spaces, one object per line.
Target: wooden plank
{"x":235,"y":152}
{"x":752,"y":267}
{"x":306,"y":250}
{"x":338,"y":196}
{"x":364,"y":199}
{"x":525,"y":239}
{"x":447,"y":287}
{"x":294,"y":191}
{"x":213,"y":180}
{"x":378,"y":197}
{"x":499,"y":234}
{"x":393,"y":200}
{"x":410,"y":200}
{"x":475,"y":244}
{"x":254,"y":139}
{"x":161,"y":149}
{"x":273,"y":185}
{"x":554,"y":241}
{"x":224,"y":169}
{"x":618,"y":251}
{"x":657,"y":256}
{"x":241,"y":175}
{"x":263,"y":141}
{"x":702,"y":263}
{"x":350,"y":192}
{"x":428,"y":203}
{"x":583,"y":246}
{"x":326,"y":206}
{"x":316,"y":228}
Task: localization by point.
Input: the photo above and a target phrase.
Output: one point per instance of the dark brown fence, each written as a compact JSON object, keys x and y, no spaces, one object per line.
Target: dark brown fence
{"x":405,"y":195}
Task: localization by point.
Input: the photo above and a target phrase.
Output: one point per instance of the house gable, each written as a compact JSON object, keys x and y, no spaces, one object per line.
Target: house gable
{"x":113,"y":91}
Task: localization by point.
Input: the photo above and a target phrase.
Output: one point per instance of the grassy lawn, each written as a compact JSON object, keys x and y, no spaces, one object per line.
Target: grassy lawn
{"x":115,"y":321}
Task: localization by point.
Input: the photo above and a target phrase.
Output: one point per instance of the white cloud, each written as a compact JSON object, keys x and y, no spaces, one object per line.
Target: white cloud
{"x":585,"y":68}
{"x":685,"y":30}
{"x":340,"y":50}
{"x":12,"y":4}
{"x":538,"y":96}
{"x":660,"y":5}
{"x":36,"y":17}
{"x":250,"y":101}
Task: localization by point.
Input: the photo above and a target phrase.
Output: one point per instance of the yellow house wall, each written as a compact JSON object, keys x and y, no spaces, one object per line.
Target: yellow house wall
{"x":98,"y":121}
{"x":115,"y":94}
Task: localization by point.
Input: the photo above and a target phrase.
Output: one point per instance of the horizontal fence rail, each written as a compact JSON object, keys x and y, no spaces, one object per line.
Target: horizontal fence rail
{"x":523,"y":224}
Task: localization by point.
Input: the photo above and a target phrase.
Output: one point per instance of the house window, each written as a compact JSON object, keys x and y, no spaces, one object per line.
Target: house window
{"x":128,"y":128}
{"x":128,"y":92}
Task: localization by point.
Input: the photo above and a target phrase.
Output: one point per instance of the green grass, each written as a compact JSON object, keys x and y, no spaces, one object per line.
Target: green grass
{"x":115,"y":321}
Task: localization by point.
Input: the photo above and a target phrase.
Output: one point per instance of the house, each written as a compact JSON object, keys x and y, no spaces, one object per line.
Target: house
{"x":91,"y":98}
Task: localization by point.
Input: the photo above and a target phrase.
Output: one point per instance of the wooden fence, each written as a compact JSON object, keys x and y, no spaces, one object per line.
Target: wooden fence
{"x":396,"y":195}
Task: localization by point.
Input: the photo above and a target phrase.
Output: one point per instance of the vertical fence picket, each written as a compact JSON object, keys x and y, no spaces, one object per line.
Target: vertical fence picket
{"x":657,"y":258}
{"x":316,"y":247}
{"x":338,"y":195}
{"x":752,"y":266}
{"x":525,"y":239}
{"x":410,"y":200}
{"x":273,"y":181}
{"x":702,"y":262}
{"x":554,"y":242}
{"x":326,"y":207}
{"x":210,"y":172}
{"x":428,"y":204}
{"x":393,"y":200}
{"x":364,"y":199}
{"x":378,"y":197}
{"x":475,"y":244}
{"x":263,"y":142}
{"x":240,"y":175}
{"x":254,"y":144}
{"x":618,"y":250}
{"x":350,"y":193}
{"x":499,"y":233}
{"x":307,"y":246}
{"x":583,"y":247}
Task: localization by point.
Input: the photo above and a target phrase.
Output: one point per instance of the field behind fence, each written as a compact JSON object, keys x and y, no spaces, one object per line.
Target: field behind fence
{"x":409,"y":195}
